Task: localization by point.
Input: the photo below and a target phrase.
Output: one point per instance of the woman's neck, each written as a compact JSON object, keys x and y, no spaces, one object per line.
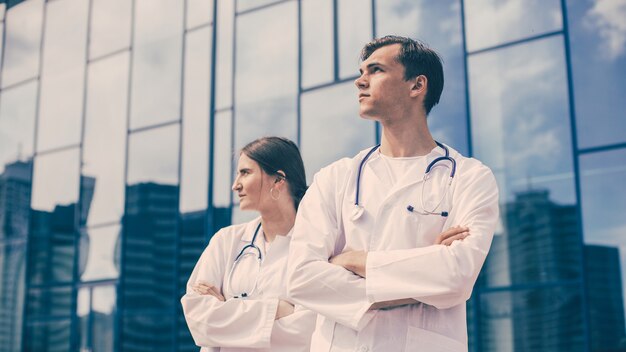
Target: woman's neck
{"x":277,"y":222}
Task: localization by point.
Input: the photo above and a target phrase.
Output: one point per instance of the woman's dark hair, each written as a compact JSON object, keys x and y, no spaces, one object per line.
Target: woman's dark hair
{"x":277,"y":153}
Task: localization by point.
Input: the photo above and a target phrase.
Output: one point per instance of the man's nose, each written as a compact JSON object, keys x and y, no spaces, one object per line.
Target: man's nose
{"x":360,"y":82}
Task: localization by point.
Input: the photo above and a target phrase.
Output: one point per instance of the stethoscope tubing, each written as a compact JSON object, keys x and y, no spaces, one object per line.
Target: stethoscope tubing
{"x":237,"y":261}
{"x":410,"y":208}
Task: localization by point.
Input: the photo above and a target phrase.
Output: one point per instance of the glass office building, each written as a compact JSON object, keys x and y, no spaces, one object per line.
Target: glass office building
{"x":119,"y":120}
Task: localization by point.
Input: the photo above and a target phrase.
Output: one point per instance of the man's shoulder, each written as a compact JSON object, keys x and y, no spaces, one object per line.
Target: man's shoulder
{"x":466,"y":162}
{"x":469,"y":168}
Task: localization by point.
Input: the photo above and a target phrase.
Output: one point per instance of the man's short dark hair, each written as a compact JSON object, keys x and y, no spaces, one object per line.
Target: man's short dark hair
{"x":417,"y":59}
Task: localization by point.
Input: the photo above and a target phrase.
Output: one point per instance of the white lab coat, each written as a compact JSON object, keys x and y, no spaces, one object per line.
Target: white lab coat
{"x":244,"y":324}
{"x":402,"y":261}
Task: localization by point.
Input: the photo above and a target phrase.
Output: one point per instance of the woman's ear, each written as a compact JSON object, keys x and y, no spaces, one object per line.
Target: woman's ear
{"x":280,"y":178}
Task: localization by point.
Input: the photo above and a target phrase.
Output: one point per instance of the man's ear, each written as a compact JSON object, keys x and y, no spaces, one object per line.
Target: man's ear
{"x":419,"y":85}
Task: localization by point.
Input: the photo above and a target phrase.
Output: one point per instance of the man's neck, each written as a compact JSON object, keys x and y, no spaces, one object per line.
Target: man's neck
{"x":406,"y":138}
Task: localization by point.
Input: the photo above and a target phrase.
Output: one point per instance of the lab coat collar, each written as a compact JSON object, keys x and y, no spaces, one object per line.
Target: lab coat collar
{"x":377,"y":167}
{"x":248,"y":230}
{"x":251,"y":226}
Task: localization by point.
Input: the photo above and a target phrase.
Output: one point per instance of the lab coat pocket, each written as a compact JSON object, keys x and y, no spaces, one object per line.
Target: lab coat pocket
{"x":418,"y":339}
{"x":429,"y":227}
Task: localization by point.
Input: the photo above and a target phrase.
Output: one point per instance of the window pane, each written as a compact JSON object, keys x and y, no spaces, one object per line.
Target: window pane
{"x":17,"y":124}
{"x":528,"y":147}
{"x":63,"y":74}
{"x":603,"y":207}
{"x":55,"y":180}
{"x":98,"y":253}
{"x":149,"y":257}
{"x":243,"y":5}
{"x":150,"y":331}
{"x":437,"y":23}
{"x":223,"y":160}
{"x":267,"y":71}
{"x":199,"y":12}
{"x":349,"y":133}
{"x":49,"y":302}
{"x":53,"y":232}
{"x":548,"y":319}
{"x":1,"y":36}
{"x":150,"y":223}
{"x":110,"y":26}
{"x":195,"y":158}
{"x":82,"y":311}
{"x":15,"y":193}
{"x":51,"y":336}
{"x":225,"y":47}
{"x":598,"y":54}
{"x":153,"y":156}
{"x":492,"y":22}
{"x":96,"y":312}
{"x":104,"y":145}
{"x":353,"y":34}
{"x":12,"y":260}
{"x":103,"y":312}
{"x":317,"y":42}
{"x":23,"y":38}
{"x":156,"y":62}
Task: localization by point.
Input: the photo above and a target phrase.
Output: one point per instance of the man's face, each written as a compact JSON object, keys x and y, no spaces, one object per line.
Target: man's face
{"x":383,"y":92}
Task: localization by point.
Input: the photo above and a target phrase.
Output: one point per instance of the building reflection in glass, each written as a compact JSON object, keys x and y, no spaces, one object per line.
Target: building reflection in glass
{"x":540,"y":309}
{"x":15,"y":191}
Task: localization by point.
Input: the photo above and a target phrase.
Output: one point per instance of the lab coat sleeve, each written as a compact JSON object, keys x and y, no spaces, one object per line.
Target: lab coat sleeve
{"x":439,"y":275}
{"x":312,"y":281}
{"x":296,"y":328}
{"x":234,"y":323}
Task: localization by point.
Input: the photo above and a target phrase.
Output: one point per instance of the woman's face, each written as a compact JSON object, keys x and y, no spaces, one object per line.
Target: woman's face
{"x":251,"y":184}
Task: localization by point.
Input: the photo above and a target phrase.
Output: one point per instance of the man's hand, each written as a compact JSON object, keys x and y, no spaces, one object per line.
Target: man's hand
{"x":353,"y":261}
{"x":452,"y":234}
{"x":204,"y":288}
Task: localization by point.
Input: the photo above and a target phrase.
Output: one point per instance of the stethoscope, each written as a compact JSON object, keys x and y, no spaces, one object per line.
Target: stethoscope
{"x":241,"y":254}
{"x":359,"y":209}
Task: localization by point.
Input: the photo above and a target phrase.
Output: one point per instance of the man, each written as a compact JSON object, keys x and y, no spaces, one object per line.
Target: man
{"x":386,"y":286}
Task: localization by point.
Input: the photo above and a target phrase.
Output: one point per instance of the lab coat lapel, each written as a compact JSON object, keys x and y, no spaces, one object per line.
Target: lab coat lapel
{"x":278,"y":250}
{"x":416,"y":176}
{"x":377,"y":168}
{"x":249,"y":229}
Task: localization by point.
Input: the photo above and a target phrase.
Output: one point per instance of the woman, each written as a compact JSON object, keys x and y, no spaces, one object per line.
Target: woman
{"x":234,"y":298}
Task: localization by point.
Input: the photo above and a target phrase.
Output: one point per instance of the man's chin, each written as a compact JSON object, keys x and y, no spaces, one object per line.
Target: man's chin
{"x":365,"y":115}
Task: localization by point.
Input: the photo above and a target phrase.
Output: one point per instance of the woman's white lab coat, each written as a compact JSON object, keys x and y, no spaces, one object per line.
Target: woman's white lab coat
{"x":402,"y":261}
{"x":244,"y":324}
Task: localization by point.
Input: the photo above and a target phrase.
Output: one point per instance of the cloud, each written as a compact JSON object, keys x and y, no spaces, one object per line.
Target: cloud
{"x":494,"y":22}
{"x":607,"y":19}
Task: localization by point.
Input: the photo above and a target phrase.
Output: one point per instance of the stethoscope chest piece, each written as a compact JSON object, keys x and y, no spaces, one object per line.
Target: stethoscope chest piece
{"x":357,"y":212}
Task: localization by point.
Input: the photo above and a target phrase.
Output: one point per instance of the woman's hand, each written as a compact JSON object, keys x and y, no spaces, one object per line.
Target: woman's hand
{"x":452,"y":234}
{"x":204,"y":288}
{"x":284,"y":309}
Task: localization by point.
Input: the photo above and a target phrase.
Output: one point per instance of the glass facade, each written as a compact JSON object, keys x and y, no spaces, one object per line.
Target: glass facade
{"x":120,"y":122}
